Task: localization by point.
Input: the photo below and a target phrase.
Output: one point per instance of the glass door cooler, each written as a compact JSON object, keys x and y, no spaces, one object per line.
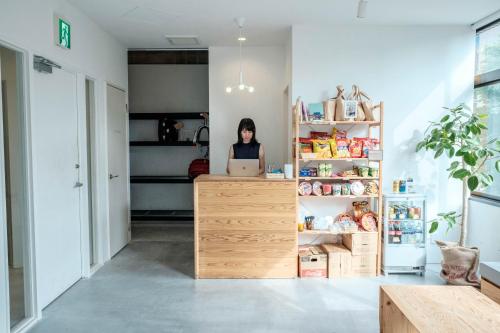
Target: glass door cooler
{"x":404,"y":235}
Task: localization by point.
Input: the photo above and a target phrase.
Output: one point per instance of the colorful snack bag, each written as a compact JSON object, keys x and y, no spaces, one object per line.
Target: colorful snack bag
{"x":322,"y":149}
{"x":333,"y":147}
{"x":343,"y":148}
{"x":356,"y":149}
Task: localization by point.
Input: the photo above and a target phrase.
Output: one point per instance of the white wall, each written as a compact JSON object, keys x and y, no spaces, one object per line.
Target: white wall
{"x":263,"y":68}
{"x":414,"y":70}
{"x":28,"y":26}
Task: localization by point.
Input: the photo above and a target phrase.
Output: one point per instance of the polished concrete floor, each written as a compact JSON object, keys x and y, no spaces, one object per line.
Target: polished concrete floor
{"x":148,"y":287}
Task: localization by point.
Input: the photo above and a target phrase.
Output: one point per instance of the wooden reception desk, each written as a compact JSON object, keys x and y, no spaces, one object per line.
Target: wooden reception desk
{"x":244,"y":227}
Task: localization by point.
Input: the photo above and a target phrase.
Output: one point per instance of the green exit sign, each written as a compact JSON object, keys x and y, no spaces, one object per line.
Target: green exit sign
{"x":63,"y":32}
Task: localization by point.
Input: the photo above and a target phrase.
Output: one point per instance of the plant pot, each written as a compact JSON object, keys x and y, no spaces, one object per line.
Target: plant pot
{"x":459,"y":265}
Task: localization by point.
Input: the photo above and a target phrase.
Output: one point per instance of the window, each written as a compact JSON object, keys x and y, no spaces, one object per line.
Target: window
{"x":487,"y":91}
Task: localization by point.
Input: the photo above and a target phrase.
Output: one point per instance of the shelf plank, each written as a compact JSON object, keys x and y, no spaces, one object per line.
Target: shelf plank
{"x":345,"y":122}
{"x":338,"y":196}
{"x":159,"y":115}
{"x":328,"y":232}
{"x":162,"y":215}
{"x":332,"y":159}
{"x":160,"y":179}
{"x":338,"y":178}
{"x":165,"y":144}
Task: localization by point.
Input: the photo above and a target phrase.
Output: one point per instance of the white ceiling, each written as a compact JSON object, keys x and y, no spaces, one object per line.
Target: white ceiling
{"x":144,"y":23}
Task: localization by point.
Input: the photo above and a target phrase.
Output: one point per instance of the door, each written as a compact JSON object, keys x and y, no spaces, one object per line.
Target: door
{"x":55,"y":170}
{"x":119,"y":225}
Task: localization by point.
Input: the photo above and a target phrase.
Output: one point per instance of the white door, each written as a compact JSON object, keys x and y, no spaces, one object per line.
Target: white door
{"x":55,"y":171}
{"x":119,"y":225}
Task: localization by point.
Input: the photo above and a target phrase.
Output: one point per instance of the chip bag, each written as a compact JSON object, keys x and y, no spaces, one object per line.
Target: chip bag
{"x":356,"y":149}
{"x":343,"y":148}
{"x":322,"y":148}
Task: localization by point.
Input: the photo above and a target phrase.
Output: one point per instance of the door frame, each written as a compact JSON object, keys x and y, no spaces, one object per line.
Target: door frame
{"x":127,"y":159}
{"x":29,"y":255}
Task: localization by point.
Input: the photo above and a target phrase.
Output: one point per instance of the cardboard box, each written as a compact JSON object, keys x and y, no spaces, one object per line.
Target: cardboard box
{"x":339,"y":260}
{"x":361,"y":243}
{"x":364,"y":265}
{"x":312,"y":261}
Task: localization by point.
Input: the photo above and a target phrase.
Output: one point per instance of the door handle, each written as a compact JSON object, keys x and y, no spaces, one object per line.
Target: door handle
{"x":113,"y":176}
{"x":78,"y":184}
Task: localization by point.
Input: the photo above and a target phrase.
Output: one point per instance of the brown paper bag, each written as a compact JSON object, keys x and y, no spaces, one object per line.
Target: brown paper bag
{"x":367,"y":106}
{"x":459,"y":265}
{"x":339,"y":104}
{"x":329,"y":110}
{"x":354,"y":95}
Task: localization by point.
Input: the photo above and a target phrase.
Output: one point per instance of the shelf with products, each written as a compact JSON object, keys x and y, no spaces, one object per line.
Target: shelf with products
{"x":337,"y":178}
{"x":344,"y":122}
{"x":338,"y":142}
{"x":364,"y":196}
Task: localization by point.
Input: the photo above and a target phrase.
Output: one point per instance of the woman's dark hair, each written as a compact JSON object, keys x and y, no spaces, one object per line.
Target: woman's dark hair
{"x":249,"y":125}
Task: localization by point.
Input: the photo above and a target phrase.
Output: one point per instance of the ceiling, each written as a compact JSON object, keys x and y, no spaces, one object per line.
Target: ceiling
{"x":144,"y":23}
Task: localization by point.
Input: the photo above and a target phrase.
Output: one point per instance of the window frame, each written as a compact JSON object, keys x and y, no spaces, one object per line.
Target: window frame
{"x":483,"y":80}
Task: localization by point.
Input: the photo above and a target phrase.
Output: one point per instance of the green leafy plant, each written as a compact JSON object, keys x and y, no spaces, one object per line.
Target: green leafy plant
{"x":460,"y":136}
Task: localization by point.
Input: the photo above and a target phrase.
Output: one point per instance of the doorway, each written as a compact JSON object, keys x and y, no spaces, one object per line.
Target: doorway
{"x":91,"y":170}
{"x":119,"y":222}
{"x":14,"y":187}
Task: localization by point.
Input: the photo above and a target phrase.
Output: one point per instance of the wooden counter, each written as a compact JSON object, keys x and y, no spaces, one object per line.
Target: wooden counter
{"x":245,"y":227}
{"x":436,"y":309}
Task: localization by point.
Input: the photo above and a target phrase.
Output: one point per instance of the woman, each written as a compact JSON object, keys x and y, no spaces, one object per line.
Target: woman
{"x":247,"y":146}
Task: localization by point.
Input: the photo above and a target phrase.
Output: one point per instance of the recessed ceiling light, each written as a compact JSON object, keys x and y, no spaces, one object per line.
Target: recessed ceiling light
{"x":180,"y":40}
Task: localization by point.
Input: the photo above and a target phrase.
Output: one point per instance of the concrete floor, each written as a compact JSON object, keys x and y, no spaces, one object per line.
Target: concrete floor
{"x":148,"y":287}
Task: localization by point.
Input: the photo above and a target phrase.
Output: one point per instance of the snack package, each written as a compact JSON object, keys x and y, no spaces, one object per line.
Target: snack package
{"x":343,"y":148}
{"x":322,"y":148}
{"x":316,"y":188}
{"x":359,"y":209}
{"x":338,"y":134}
{"x":367,"y":144}
{"x":305,"y":148}
{"x":328,"y":170}
{"x":333,"y":147}
{"x":368,"y":221}
{"x":371,"y":188}
{"x":319,"y":135}
{"x":357,"y":188}
{"x":356,"y":149}
{"x":305,"y":188}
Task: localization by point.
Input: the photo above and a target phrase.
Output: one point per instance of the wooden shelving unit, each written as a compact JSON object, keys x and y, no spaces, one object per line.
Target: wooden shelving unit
{"x":375,"y":200}
{"x":167,"y":214}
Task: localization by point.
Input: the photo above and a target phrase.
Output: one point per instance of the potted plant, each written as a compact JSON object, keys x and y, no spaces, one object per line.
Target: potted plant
{"x":460,"y":136}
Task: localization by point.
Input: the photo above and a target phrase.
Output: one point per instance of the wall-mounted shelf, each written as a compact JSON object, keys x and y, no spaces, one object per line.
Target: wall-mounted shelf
{"x":158,"y":143}
{"x":171,"y":115}
{"x":162,"y":215}
{"x":161,"y":179}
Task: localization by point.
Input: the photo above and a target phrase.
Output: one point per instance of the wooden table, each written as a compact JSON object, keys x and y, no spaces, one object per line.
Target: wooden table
{"x":245,"y":227}
{"x":437,"y":309}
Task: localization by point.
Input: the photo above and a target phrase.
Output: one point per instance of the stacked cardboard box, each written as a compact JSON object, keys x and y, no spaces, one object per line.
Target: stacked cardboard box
{"x":312,"y":261}
{"x":363,"y":246}
{"x":339,"y":260}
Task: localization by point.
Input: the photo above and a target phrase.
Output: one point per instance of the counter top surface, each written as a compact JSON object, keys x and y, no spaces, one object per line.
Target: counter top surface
{"x":226,"y":178}
{"x":444,"y":308}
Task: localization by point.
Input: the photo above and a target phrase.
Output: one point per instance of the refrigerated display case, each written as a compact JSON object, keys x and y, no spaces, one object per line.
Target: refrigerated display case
{"x":405,"y":233}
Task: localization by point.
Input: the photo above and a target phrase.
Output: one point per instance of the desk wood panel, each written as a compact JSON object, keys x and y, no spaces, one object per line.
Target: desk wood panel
{"x":245,"y":228}
{"x":437,"y":309}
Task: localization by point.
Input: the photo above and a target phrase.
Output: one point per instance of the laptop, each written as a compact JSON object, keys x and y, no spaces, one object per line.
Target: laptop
{"x":243,"y":167}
